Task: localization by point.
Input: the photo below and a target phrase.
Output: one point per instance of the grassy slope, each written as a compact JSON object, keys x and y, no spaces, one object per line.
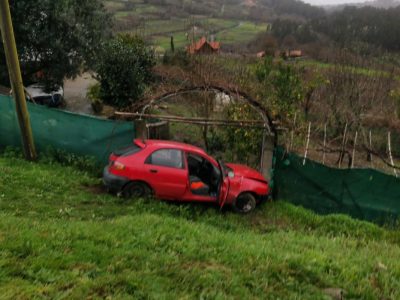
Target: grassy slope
{"x":60,"y":239}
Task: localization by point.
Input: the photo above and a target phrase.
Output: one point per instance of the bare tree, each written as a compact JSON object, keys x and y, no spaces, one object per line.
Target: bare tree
{"x":355,"y":89}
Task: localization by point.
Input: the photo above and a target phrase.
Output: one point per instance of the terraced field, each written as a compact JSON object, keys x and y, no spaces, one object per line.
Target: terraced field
{"x":157,"y":24}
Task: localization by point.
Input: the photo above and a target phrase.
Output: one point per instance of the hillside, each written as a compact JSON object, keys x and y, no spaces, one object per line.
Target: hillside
{"x":62,"y":237}
{"x":235,"y":23}
{"x":375,"y":3}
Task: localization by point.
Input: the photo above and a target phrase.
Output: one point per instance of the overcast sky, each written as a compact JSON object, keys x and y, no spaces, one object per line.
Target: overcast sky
{"x":326,"y":2}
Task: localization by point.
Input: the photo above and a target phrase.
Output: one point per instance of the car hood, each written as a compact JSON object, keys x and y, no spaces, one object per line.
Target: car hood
{"x":246,"y":172}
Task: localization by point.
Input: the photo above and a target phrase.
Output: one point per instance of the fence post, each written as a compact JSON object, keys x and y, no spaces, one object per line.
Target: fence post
{"x":354,"y":151}
{"x":369,"y":157}
{"x":141,"y":130}
{"x":343,"y":146}
{"x":292,"y":133}
{"x":390,"y":153}
{"x":14,"y":71}
{"x":307,"y":143}
{"x":323,"y":153}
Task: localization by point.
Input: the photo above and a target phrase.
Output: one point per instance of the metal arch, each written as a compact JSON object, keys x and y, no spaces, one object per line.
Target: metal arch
{"x":264,"y":115}
{"x":270,"y":129}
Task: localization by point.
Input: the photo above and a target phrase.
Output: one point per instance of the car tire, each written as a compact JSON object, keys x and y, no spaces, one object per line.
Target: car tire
{"x":244,"y":203}
{"x":136,"y":190}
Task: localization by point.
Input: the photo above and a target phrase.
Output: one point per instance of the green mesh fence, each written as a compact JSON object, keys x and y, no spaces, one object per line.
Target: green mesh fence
{"x":362,"y":193}
{"x":74,"y":133}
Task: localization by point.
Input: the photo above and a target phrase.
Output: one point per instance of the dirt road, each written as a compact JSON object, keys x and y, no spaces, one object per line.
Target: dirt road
{"x":75,"y":94}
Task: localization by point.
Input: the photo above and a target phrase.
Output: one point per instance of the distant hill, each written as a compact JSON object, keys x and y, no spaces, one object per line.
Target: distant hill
{"x":251,"y":10}
{"x":376,"y":3}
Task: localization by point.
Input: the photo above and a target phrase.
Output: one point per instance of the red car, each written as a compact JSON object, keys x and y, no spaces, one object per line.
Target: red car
{"x":177,"y":171}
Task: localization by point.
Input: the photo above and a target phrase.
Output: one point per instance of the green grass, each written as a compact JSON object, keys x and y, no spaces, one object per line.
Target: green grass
{"x":355,"y":70}
{"x":164,"y":41}
{"x":62,"y":238}
{"x":243,"y":33}
{"x":220,"y":24}
{"x":113,"y":6}
{"x":227,"y":32}
{"x":155,"y":27}
{"x":122,"y":14}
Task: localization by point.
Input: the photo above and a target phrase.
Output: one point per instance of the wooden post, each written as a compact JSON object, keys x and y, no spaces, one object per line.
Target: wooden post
{"x":323,"y":153}
{"x":343,"y":146}
{"x":307,"y":143}
{"x":14,"y":71}
{"x":390,"y":153}
{"x":369,"y":157}
{"x":353,"y":158}
{"x":141,"y":130}
{"x":292,"y":132}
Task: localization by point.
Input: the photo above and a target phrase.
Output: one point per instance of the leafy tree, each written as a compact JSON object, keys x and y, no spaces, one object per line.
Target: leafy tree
{"x":311,"y":85}
{"x":56,"y":38}
{"x":282,"y":84}
{"x":288,"y":88}
{"x":270,"y":45}
{"x":282,"y":28}
{"x":124,"y":70}
{"x":378,"y":27}
{"x":243,"y":144}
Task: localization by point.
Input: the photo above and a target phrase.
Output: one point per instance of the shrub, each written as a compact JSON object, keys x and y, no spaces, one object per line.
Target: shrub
{"x":93,"y":95}
{"x":124,"y":70}
{"x":178,"y":58}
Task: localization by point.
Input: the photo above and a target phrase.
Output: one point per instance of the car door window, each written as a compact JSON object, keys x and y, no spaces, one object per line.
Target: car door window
{"x":171,"y":158}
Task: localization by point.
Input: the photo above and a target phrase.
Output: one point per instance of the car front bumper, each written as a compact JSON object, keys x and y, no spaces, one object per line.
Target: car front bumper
{"x":113,"y":182}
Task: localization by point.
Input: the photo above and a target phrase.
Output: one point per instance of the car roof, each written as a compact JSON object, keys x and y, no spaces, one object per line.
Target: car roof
{"x":176,"y":145}
{"x":159,"y":144}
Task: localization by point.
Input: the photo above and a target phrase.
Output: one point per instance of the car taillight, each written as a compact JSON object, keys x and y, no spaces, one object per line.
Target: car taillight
{"x":118,"y":166}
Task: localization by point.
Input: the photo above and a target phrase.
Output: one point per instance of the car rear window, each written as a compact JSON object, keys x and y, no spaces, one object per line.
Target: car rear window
{"x":129,"y":150}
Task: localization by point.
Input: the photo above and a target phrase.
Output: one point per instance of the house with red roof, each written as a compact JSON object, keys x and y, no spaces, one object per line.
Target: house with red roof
{"x":203,"y":46}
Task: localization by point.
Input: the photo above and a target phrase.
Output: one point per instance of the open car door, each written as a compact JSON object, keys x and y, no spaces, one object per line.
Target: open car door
{"x":224,"y":188}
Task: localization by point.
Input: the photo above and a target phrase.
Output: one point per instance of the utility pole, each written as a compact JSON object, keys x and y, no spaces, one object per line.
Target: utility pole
{"x":14,"y":71}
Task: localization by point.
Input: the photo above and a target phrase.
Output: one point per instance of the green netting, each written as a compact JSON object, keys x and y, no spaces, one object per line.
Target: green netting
{"x":362,"y":193}
{"x":78,"y":134}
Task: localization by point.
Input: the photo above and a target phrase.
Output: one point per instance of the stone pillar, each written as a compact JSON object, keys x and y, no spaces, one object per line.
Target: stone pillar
{"x":141,"y":129}
{"x":268,"y":157}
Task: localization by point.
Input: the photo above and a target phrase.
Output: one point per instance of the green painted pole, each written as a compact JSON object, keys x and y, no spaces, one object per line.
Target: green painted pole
{"x":10,"y":49}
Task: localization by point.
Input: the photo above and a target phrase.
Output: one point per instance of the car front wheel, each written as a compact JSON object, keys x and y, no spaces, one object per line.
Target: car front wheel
{"x":136,"y":190}
{"x":244,"y":203}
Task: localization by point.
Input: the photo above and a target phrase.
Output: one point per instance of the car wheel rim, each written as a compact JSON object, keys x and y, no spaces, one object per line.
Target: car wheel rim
{"x":244,"y":205}
{"x":247,"y":207}
{"x":136,"y":191}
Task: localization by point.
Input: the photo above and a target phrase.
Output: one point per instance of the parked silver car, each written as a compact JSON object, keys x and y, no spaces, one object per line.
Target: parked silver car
{"x":35,"y":93}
